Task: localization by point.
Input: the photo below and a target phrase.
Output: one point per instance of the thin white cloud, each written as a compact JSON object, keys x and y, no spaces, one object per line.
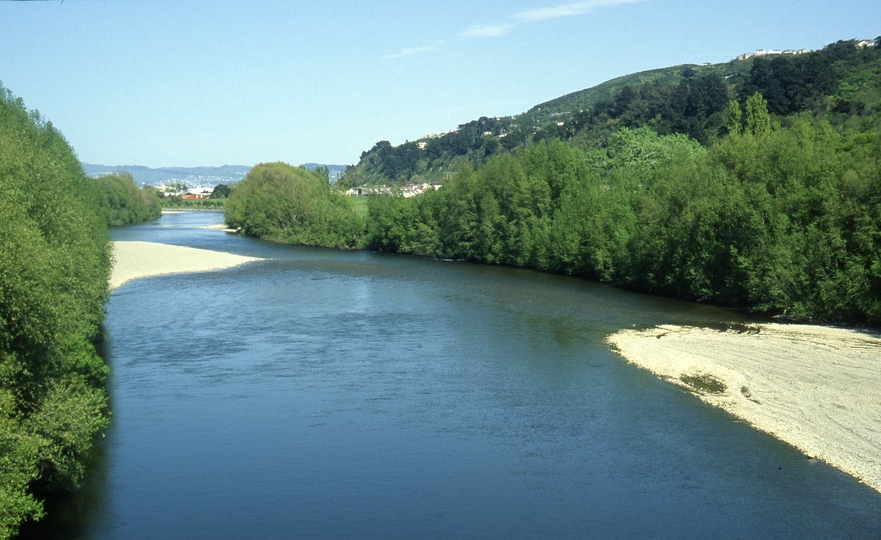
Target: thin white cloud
{"x":487,"y":30}
{"x":565,"y":10}
{"x":410,"y":51}
{"x":571,"y":9}
{"x":521,"y":18}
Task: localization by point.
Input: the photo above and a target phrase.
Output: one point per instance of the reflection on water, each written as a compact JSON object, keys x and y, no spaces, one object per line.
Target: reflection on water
{"x":330,"y":394}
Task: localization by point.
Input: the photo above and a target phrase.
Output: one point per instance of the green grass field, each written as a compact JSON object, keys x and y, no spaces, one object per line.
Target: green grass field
{"x":361,"y":206}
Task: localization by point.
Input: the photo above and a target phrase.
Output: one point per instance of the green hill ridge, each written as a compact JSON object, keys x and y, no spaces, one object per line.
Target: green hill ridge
{"x":839,"y":82}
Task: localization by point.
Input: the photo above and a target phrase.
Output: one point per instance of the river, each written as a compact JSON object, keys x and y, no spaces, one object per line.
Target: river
{"x":351,"y":394}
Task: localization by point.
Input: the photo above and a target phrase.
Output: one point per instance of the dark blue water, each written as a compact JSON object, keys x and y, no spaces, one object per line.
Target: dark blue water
{"x":332,"y":394}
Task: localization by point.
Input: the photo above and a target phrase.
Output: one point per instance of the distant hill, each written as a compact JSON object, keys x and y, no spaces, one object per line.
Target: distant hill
{"x":191,"y":176}
{"x":839,"y":82}
{"x":433,"y":158}
{"x":335,"y":170}
{"x":734,"y":72}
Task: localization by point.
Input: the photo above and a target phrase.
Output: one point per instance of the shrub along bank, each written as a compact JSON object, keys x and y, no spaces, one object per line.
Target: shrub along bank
{"x":125,"y":203}
{"x":783,"y":221}
{"x":177,"y":202}
{"x":288,"y":204}
{"x":54,"y":265}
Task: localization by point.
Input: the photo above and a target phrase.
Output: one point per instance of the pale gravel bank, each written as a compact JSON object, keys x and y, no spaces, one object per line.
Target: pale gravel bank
{"x":814,"y":387}
{"x":133,"y":260}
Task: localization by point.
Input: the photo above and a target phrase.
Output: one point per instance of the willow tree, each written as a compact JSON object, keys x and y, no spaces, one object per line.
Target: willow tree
{"x":288,"y":204}
{"x":125,"y":203}
{"x":758,"y":120}
{"x":54,"y":265}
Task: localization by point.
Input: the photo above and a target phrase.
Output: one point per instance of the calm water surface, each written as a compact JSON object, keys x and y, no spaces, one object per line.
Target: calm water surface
{"x":331,"y":394}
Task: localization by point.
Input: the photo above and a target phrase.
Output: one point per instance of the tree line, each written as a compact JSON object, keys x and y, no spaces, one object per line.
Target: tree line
{"x":282,"y":203}
{"x":54,"y":266}
{"x":784,"y":221}
{"x":776,"y":217}
{"x":125,"y":203}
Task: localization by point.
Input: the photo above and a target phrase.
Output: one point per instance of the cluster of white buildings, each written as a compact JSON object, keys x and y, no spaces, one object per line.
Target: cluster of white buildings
{"x":407,"y":191}
{"x":772,"y":52}
{"x":862,"y":44}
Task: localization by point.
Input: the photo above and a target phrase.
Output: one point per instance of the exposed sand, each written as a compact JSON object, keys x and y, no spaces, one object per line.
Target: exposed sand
{"x":817,"y":388}
{"x":135,"y":260}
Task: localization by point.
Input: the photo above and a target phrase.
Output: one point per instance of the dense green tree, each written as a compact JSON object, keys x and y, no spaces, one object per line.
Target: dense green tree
{"x":288,"y":204}
{"x":221,"y":191}
{"x":734,"y":118}
{"x":697,"y":105}
{"x":782,"y":221}
{"x":54,"y":266}
{"x":758,"y":121}
{"x":323,"y":172}
{"x":124,"y":203}
{"x":178,"y":202}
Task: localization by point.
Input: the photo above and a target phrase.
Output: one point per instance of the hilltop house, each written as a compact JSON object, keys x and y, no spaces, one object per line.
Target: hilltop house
{"x":772,"y":52}
{"x":406,"y":191}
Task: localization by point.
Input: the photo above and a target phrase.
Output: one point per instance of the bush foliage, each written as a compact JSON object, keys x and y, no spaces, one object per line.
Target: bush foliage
{"x":785,"y":221}
{"x":179,"y":203}
{"x":125,"y":203}
{"x":54,"y":265}
{"x":288,"y":204}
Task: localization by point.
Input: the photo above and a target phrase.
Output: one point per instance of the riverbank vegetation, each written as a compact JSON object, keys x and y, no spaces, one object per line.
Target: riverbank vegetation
{"x":54,"y":266}
{"x":699,"y":188}
{"x":282,"y":203}
{"x":176,"y":202}
{"x":784,"y":222}
{"x":125,"y":203}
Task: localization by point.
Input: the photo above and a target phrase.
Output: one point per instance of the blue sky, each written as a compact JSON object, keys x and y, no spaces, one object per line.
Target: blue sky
{"x":199,"y":82}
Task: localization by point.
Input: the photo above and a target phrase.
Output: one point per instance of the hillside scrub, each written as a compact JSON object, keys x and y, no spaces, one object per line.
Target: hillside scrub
{"x":125,"y":203}
{"x":839,"y":83}
{"x":278,"y":202}
{"x":54,"y":266}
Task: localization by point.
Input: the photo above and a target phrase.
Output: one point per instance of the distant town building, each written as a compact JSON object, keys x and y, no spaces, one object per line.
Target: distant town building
{"x":406,"y":191}
{"x":774,"y":52}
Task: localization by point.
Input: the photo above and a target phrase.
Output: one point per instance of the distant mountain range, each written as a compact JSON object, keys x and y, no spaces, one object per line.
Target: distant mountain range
{"x":191,"y":176}
{"x":335,"y":170}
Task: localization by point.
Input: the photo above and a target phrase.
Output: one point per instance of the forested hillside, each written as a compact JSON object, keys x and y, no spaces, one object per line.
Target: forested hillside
{"x":838,"y":83}
{"x":54,"y":265}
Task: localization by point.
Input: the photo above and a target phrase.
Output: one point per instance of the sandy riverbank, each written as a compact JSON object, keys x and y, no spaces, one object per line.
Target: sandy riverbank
{"x":135,"y":260}
{"x":815,"y":387}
